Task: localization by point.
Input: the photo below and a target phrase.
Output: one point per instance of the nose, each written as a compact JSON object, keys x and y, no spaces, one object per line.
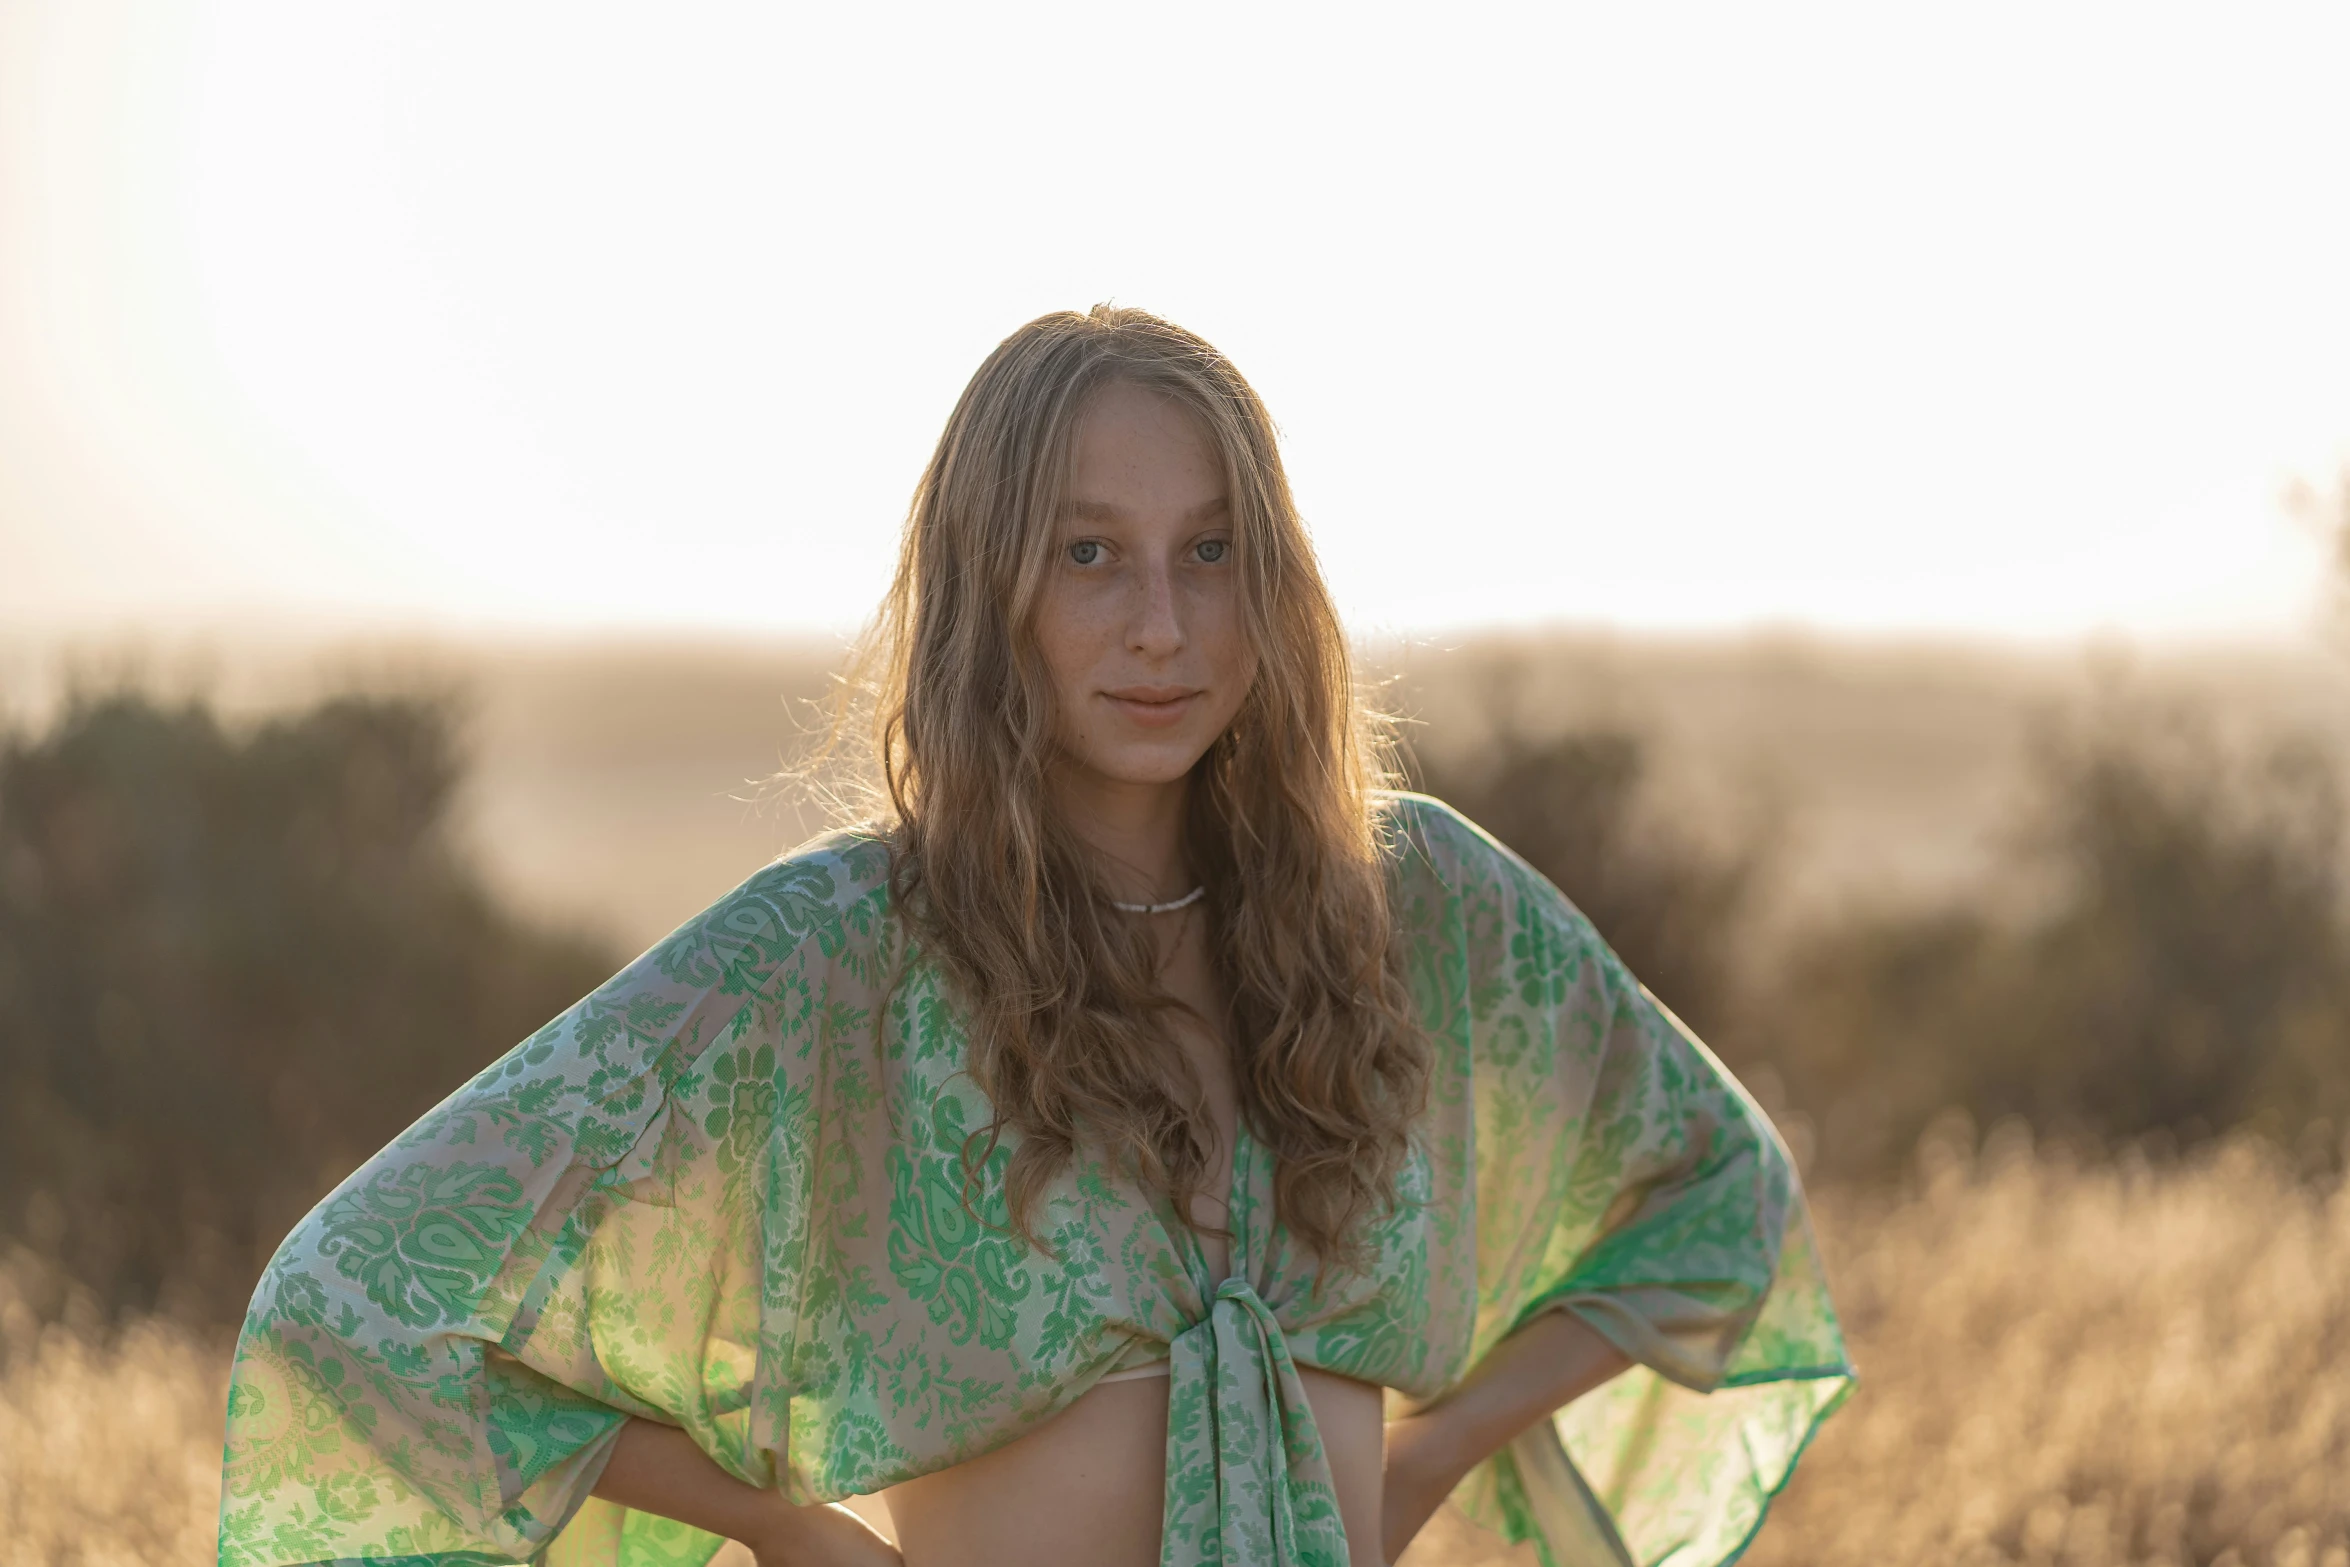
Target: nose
{"x":1155,"y":626}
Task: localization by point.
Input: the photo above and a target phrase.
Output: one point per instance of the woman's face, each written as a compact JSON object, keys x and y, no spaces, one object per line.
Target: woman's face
{"x":1139,"y":624}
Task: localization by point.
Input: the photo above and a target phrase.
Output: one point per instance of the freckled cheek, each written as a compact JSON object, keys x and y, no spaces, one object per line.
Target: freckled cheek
{"x":1222,"y":637}
{"x":1073,"y":637}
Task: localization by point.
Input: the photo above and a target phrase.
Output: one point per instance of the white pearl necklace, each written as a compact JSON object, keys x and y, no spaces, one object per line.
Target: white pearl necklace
{"x":1184,"y":902}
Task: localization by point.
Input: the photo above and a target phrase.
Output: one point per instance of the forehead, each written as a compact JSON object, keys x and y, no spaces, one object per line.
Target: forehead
{"x":1135,"y":447}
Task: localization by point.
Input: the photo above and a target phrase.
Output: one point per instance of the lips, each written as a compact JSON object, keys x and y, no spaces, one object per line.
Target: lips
{"x":1152,"y":706}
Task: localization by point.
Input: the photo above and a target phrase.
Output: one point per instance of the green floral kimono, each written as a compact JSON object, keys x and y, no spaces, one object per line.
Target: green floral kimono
{"x":722,"y":1192}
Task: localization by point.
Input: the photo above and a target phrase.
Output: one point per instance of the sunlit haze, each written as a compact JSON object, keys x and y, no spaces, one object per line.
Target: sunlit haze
{"x":2000,"y":319}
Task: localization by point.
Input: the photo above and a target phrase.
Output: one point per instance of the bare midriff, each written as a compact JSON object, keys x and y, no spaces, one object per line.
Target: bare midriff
{"x":1084,"y":1489}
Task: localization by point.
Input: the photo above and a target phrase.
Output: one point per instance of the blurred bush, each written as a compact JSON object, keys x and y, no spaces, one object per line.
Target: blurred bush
{"x":2166,"y":951}
{"x":2170,"y":957}
{"x":231,"y":967}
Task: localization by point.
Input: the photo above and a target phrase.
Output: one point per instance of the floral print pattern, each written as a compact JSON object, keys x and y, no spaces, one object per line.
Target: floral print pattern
{"x":727,"y":1191}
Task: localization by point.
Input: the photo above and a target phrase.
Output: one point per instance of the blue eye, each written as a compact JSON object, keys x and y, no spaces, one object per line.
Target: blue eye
{"x":1213,"y":550}
{"x":1085,"y":552}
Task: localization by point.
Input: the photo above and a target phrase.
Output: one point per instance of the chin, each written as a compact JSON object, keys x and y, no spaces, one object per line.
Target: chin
{"x":1153,"y":764}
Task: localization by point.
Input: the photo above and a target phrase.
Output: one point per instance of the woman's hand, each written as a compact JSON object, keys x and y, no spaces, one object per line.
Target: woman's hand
{"x":826,"y":1536}
{"x":1547,"y":1362}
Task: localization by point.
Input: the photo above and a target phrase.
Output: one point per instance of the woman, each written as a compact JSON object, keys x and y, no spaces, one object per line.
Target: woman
{"x":1075,"y":1156}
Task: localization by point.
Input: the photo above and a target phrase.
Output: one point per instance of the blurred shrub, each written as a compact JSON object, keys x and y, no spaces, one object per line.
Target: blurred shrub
{"x":230,"y":968}
{"x":2167,"y":950}
{"x":2170,"y":957}
{"x":1570,"y":805}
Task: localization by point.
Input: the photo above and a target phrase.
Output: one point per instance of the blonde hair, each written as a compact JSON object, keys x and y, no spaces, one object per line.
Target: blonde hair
{"x":1069,"y":1034}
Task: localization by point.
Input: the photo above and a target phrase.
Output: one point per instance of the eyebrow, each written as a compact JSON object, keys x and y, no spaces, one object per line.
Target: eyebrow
{"x":1102,"y":511}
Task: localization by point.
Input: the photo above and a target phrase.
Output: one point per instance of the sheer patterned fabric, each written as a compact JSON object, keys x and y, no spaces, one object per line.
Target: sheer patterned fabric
{"x":725,"y":1192}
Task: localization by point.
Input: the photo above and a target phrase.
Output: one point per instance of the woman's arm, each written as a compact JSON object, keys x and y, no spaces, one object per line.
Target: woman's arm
{"x":657,"y":1469}
{"x":1550,"y":1361}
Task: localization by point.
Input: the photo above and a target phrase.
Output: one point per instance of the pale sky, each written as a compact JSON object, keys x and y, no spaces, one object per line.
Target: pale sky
{"x":2006,"y":319}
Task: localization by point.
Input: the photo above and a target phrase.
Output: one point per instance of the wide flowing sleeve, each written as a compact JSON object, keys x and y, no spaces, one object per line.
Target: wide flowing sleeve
{"x":608,"y":1221}
{"x":1622,"y":1173}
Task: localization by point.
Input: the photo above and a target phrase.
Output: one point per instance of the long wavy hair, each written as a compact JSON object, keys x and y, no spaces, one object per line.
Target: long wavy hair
{"x":1069,"y":1033}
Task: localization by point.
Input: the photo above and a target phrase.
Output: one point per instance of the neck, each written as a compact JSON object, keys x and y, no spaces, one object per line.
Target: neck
{"x":1135,"y":828}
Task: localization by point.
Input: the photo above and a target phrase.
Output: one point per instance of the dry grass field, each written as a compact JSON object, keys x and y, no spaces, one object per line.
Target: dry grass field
{"x":2137,"y":1363}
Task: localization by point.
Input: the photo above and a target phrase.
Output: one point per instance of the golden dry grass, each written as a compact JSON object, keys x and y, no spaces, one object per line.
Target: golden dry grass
{"x":109,"y":1456}
{"x":2087,"y":1366}
{"x":2083,"y":1366}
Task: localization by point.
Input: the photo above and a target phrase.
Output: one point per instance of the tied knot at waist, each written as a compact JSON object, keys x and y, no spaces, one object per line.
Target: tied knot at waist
{"x":1247,"y":1482}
